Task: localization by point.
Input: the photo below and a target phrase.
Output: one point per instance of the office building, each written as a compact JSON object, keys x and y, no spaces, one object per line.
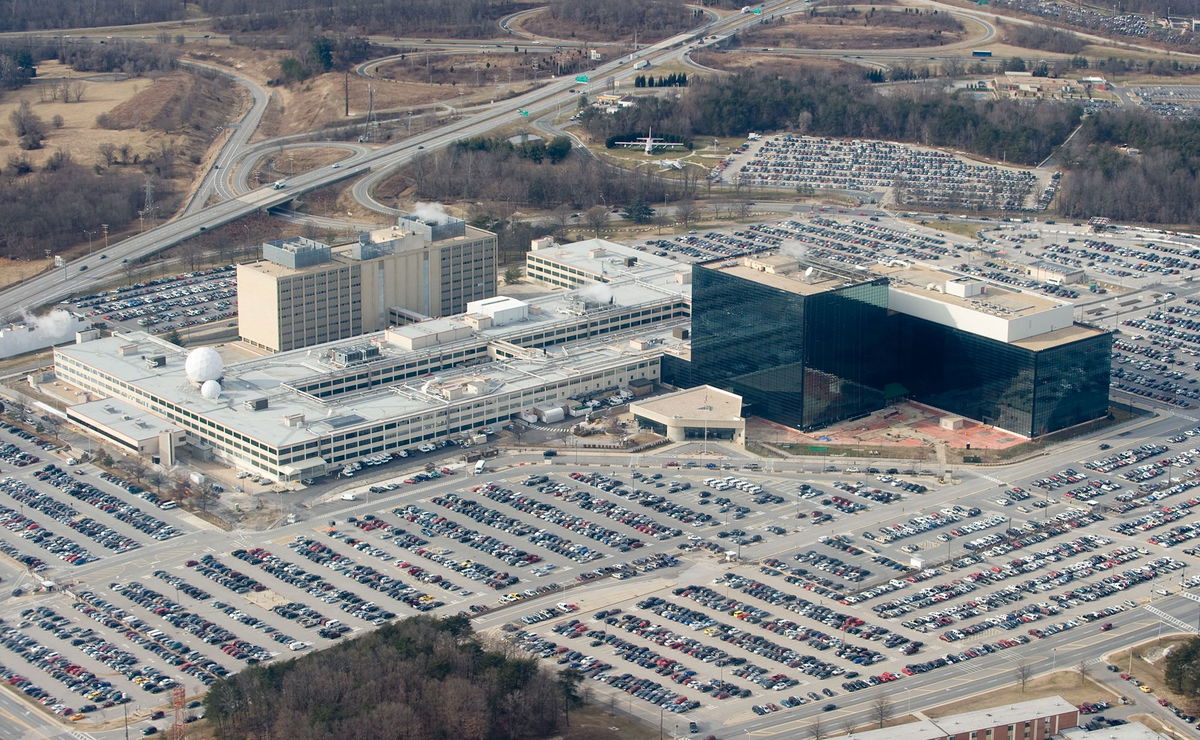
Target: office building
{"x":586,"y":262}
{"x":303,"y":292}
{"x":305,"y":412}
{"x":808,"y":344}
{"x":799,"y":344}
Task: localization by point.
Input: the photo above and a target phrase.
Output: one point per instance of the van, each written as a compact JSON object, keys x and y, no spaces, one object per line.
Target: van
{"x":480,"y":467}
{"x":167,"y":505}
{"x":298,"y":645}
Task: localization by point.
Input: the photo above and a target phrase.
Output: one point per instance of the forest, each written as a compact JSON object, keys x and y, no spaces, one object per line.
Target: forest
{"x":50,"y":209}
{"x":421,"y":678}
{"x":1183,"y":669}
{"x":836,"y":103}
{"x":1133,"y":165}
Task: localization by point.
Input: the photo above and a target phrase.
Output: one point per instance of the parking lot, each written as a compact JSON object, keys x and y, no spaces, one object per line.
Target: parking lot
{"x":166,"y":303}
{"x":914,"y":175}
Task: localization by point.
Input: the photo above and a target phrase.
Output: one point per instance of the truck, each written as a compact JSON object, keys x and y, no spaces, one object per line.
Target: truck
{"x":480,"y":467}
{"x":279,"y":185}
{"x":641,"y":65}
{"x":981,"y":53}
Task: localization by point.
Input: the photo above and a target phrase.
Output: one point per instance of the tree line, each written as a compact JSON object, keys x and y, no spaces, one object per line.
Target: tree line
{"x":841,"y":104}
{"x":1182,"y":672}
{"x":33,"y":15}
{"x":321,"y":54}
{"x":460,"y":18}
{"x":675,"y":79}
{"x":1045,"y":38}
{"x":536,"y":151}
{"x":504,"y":176}
{"x":421,"y":678}
{"x":620,"y":17}
{"x":1132,"y":165}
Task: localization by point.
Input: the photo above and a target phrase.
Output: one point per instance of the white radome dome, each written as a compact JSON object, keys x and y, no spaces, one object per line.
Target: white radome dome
{"x":203,"y":363}
{"x":210,"y":389}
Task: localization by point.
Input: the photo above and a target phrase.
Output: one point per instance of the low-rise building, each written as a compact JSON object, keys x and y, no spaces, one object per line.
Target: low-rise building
{"x":1036,"y":719}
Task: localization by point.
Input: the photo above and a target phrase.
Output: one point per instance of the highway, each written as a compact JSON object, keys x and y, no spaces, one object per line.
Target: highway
{"x":84,"y":274}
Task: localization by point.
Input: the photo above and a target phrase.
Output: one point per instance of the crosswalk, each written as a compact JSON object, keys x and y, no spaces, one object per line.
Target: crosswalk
{"x":1173,"y":621}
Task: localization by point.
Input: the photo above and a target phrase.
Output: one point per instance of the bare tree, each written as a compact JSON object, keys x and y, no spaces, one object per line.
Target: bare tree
{"x":741,"y":210}
{"x":1023,"y":672}
{"x":816,"y":731}
{"x":136,"y":468}
{"x":597,"y":219}
{"x":686,"y":211}
{"x":882,"y":710}
{"x":1082,"y":669}
{"x":27,"y":126}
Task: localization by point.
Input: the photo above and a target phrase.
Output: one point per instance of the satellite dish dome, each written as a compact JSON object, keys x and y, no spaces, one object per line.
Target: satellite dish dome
{"x":203,"y":363}
{"x":210,"y":389}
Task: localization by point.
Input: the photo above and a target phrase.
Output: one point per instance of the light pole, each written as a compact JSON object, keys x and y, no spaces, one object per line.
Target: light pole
{"x":661,"y":712}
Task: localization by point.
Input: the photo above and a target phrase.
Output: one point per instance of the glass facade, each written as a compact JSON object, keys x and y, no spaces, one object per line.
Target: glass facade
{"x":1030,"y":392}
{"x":801,"y":360}
{"x":964,"y":373}
{"x":808,"y":360}
{"x":1071,"y":386}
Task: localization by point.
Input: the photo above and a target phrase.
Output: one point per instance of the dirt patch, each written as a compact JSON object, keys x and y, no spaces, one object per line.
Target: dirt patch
{"x":152,"y":107}
{"x":853,"y":29}
{"x":321,"y":100}
{"x":599,"y":722}
{"x":1066,"y":684}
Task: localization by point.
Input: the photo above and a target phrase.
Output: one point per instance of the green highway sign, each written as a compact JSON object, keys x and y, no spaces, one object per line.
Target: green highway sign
{"x":758,"y":11}
{"x":523,"y":112}
{"x":582,"y":78}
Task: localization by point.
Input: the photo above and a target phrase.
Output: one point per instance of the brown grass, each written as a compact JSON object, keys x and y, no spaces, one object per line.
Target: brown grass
{"x":1062,"y":683}
{"x":14,"y":271}
{"x":79,"y":135}
{"x":493,"y":66}
{"x":737,"y":60}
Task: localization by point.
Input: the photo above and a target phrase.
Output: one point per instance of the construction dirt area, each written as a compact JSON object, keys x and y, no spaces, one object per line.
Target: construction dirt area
{"x":490,"y":67}
{"x":904,"y":425}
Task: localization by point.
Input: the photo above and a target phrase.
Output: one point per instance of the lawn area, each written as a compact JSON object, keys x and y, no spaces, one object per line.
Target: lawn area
{"x":1147,"y":666}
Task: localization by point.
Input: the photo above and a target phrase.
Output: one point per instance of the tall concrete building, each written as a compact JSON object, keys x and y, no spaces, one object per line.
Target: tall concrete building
{"x":303,"y":292}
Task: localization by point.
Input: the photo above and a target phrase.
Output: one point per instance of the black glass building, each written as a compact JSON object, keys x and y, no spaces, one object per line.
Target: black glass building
{"x":801,"y":351}
{"x":1030,"y":387}
{"x":811,"y":347}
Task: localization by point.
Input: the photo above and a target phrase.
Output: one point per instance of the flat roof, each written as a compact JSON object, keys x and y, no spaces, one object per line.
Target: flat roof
{"x":600,"y":257}
{"x":1004,"y":714}
{"x":941,"y":727}
{"x":701,"y":403}
{"x":794,"y":275}
{"x":1055,"y":267}
{"x":928,"y":282}
{"x":123,"y":418}
{"x":1130,"y":731}
{"x":266,"y":378}
{"x":1065,"y":335}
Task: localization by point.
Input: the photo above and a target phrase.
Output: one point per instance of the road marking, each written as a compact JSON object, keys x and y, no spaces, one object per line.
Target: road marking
{"x":1177,"y":623}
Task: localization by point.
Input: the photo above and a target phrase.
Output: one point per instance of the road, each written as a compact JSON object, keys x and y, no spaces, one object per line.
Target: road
{"x":86,"y":273}
{"x":231,"y":150}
